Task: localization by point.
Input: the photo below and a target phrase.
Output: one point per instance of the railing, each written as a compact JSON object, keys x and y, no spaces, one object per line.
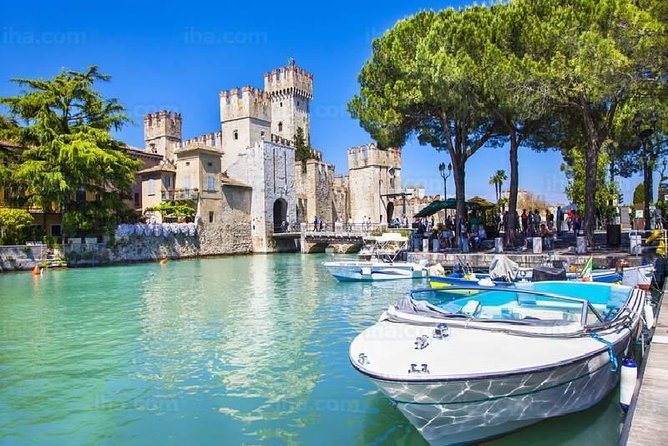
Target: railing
{"x":167,"y":195}
{"x":353,"y":228}
{"x":186,"y":194}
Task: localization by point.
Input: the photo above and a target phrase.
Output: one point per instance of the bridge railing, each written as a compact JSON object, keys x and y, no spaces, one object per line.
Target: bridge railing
{"x":350,"y":228}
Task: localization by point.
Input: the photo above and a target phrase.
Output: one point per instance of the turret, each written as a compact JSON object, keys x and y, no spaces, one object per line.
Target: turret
{"x":291,"y":90}
{"x":245,"y":115}
{"x":162,"y":133}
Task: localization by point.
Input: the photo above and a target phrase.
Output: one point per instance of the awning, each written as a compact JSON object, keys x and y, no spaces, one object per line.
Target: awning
{"x":436,"y":206}
{"x":474,"y":204}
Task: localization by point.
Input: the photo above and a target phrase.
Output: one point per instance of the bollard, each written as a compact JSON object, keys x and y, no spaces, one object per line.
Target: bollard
{"x":425,"y":245}
{"x":581,"y":245}
{"x":498,"y":244}
{"x":635,"y":239}
{"x":537,"y":243}
{"x":435,"y":245}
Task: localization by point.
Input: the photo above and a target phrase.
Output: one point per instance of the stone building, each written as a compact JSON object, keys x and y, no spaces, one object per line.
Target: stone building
{"x":315,"y":183}
{"x":245,"y":169}
{"x":244,"y":179}
{"x":374,"y":176}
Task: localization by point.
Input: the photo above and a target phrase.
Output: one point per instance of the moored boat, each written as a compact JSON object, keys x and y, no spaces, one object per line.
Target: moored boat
{"x":464,"y":367}
{"x":383,"y":265}
{"x":347,"y":271}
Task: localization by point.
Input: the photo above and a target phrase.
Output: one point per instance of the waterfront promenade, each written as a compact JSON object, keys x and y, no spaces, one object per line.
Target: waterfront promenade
{"x":646,"y":422}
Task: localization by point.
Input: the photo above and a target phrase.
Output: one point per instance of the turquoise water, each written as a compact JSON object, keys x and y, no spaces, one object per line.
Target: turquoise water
{"x":230,"y":351}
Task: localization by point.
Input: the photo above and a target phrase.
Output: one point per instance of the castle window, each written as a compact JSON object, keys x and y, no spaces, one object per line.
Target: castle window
{"x":236,"y":134}
{"x":210,"y":216}
{"x":297,"y":103}
{"x":280,"y":104}
{"x":153,"y":149}
{"x":210,"y":183}
{"x":262,"y":134}
{"x":167,"y":182}
{"x":187,"y":163}
{"x":280,"y":126}
{"x":210,"y":164}
{"x":151,"y":187}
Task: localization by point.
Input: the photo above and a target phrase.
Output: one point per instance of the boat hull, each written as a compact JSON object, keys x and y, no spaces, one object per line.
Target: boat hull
{"x":370,"y":271}
{"x":461,"y":412}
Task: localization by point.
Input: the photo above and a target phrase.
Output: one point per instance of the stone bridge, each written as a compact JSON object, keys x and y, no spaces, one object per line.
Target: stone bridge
{"x":341,"y":242}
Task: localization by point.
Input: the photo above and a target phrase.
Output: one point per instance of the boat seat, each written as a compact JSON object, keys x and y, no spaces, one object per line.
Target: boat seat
{"x":470,"y":308}
{"x":525,"y":299}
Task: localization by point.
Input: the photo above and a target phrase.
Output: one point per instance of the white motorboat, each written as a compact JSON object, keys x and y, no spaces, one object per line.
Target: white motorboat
{"x":385,"y":246}
{"x":383,"y":264}
{"x":472,"y":363}
{"x":347,"y":271}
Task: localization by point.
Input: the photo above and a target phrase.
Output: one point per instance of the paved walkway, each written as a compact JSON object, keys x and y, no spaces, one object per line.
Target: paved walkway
{"x":648,"y":421}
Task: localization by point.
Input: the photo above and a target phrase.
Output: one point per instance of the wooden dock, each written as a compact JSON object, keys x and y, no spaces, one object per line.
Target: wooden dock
{"x":647,"y":421}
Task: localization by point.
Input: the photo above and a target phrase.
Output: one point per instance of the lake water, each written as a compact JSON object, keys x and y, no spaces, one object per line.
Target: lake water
{"x":230,"y":351}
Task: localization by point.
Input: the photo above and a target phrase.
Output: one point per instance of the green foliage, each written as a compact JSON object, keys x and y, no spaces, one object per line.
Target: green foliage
{"x":303,"y":151}
{"x":497,"y":180}
{"x":15,"y":225}
{"x":171,"y":209}
{"x":67,"y":147}
{"x":575,"y":190}
{"x":422,"y":81}
{"x":639,"y":194}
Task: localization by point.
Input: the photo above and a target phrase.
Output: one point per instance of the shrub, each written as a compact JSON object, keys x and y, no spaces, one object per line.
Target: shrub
{"x":15,"y":224}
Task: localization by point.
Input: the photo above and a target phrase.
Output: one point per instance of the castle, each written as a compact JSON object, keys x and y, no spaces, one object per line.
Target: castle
{"x":244,"y":177}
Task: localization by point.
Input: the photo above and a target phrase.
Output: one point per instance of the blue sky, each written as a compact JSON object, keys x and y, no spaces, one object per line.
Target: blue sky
{"x":179,"y":55}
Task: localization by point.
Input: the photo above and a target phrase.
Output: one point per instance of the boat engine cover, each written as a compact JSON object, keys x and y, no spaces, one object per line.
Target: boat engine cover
{"x":544,"y":273}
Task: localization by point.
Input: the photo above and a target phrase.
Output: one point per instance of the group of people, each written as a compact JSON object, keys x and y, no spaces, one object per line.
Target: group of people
{"x":472,"y":232}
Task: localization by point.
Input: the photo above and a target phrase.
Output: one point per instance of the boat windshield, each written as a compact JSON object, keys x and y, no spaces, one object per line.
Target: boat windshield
{"x":587,"y":306}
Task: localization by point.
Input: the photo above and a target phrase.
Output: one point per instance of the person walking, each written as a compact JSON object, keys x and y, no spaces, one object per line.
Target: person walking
{"x":525,"y":221}
{"x":560,"y":219}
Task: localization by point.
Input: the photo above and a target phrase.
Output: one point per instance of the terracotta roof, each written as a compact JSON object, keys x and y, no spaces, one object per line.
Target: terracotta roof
{"x":227,"y":181}
{"x":158,"y":168}
{"x":193,"y":146}
{"x":136,"y":151}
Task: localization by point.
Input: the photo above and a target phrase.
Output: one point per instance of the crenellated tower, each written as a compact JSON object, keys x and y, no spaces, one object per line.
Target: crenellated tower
{"x":373,"y":169}
{"x":162,"y":133}
{"x":291,"y":90}
{"x":245,"y":115}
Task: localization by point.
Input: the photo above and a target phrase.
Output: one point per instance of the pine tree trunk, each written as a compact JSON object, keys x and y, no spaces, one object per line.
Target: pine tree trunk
{"x":460,"y":193}
{"x":648,"y":185}
{"x":514,"y":186}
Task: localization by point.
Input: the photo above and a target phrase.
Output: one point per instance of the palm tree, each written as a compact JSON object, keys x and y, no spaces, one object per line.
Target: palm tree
{"x":497,"y":180}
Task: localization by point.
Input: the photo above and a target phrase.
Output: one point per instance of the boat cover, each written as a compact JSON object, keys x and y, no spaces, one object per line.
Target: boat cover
{"x":503,"y":268}
{"x":543,"y":273}
{"x":436,"y":270}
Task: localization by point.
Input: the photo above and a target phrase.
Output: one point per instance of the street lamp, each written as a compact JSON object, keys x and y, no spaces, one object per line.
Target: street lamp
{"x":442,"y":168}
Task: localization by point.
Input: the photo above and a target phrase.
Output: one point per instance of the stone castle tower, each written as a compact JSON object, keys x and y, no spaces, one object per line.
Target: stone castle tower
{"x":291,"y":91}
{"x":162,"y":133}
{"x":377,"y":170}
{"x":245,"y":116}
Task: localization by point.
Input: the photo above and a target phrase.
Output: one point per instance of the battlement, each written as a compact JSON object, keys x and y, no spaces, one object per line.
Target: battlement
{"x":162,"y":124}
{"x":245,"y":102}
{"x":289,"y":80}
{"x":214,"y":139}
{"x":371,"y":155}
{"x":280,"y":140}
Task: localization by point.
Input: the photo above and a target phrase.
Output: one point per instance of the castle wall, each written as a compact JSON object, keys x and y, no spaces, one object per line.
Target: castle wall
{"x":373,"y":172}
{"x":341,"y":197}
{"x":314,"y":180}
{"x":269,"y":169}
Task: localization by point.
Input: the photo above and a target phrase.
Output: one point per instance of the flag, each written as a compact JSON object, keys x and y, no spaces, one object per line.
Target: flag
{"x":586,"y":271}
